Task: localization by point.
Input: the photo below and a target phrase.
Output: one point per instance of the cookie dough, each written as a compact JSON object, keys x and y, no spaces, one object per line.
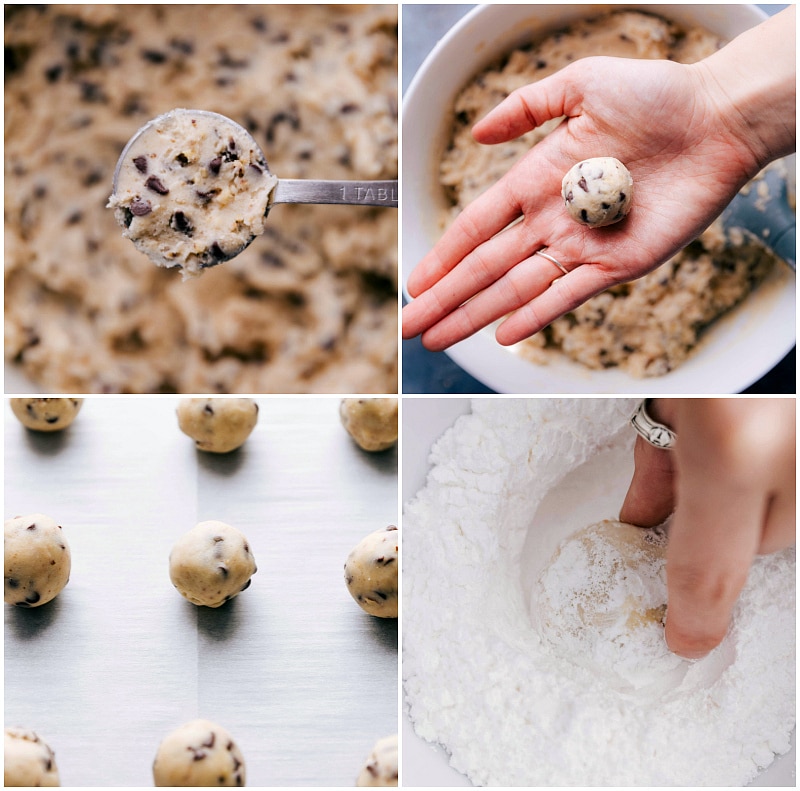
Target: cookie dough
{"x":647,"y":327}
{"x":199,"y":753}
{"x":211,"y":564}
{"x":598,"y":191}
{"x":27,"y":761}
{"x":602,"y":600}
{"x":37,"y":560}
{"x":217,"y":425}
{"x":309,"y":307}
{"x":380,"y":769}
{"x":46,"y":414}
{"x":371,"y":573}
{"x":192,"y":190}
{"x":371,"y":422}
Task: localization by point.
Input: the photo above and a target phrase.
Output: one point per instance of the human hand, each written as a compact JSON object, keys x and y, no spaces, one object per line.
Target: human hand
{"x":731,"y":481}
{"x":670,"y":124}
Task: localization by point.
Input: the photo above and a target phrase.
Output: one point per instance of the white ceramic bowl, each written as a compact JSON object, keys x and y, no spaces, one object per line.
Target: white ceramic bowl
{"x":734,"y":352}
{"x":425,"y":764}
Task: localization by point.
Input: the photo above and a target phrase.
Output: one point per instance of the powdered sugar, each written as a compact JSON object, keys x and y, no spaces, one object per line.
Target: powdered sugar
{"x":512,"y":703}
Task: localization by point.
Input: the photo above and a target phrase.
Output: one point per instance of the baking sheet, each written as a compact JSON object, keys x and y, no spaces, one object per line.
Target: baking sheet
{"x":303,"y":679}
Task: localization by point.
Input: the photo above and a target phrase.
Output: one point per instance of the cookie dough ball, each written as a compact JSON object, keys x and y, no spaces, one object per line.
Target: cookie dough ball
{"x":198,"y":753}
{"x":371,"y":573}
{"x":380,"y":770}
{"x":27,"y":761}
{"x":211,"y":564}
{"x":37,"y":560}
{"x":598,"y":191}
{"x":371,"y":422}
{"x":46,"y":414}
{"x":218,"y":425}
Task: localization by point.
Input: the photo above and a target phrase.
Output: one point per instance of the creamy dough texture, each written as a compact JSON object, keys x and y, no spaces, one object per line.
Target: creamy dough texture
{"x":46,"y":414}
{"x":211,"y":564}
{"x":217,"y":425}
{"x":192,"y":190}
{"x":371,"y":422}
{"x":516,"y":705}
{"x":370,"y":573}
{"x":199,"y":753}
{"x":380,"y":769}
{"x":27,"y":760}
{"x":598,"y":191}
{"x":309,"y":306}
{"x":37,"y":560}
{"x":647,"y":327}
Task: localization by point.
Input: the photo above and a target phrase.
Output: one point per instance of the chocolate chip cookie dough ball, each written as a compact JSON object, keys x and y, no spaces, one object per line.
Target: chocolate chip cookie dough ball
{"x":380,"y":770}
{"x":371,"y":422}
{"x":198,"y":753}
{"x":46,"y":414}
{"x":27,"y":761}
{"x":37,"y":560}
{"x":371,"y":573}
{"x":211,"y":564}
{"x":598,"y":191}
{"x":217,"y":425}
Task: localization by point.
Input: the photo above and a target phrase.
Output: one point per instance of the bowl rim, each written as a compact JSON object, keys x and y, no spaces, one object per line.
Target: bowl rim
{"x":739,"y":347}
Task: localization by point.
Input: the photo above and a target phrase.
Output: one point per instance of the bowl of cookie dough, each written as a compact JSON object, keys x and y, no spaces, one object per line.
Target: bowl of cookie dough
{"x":733,"y":349}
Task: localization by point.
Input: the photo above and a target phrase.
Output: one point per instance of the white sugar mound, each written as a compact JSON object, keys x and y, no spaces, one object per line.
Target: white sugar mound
{"x":505,"y":678}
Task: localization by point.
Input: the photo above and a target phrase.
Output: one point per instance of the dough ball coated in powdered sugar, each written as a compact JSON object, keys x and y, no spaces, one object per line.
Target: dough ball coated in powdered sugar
{"x":218,"y":425}
{"x":199,"y":753}
{"x":46,"y":414}
{"x":371,"y":422}
{"x":27,"y":760}
{"x":371,"y":573}
{"x":37,"y":560}
{"x":598,"y":191}
{"x":211,"y":564}
{"x":380,"y":769}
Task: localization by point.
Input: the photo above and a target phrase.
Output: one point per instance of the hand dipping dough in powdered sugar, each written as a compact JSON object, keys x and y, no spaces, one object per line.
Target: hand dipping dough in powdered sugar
{"x":192,"y":190}
{"x":598,"y":191}
{"x":533,"y":647}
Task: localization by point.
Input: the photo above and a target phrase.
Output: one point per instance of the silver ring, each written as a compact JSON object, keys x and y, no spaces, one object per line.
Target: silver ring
{"x":552,"y":260}
{"x":657,"y":434}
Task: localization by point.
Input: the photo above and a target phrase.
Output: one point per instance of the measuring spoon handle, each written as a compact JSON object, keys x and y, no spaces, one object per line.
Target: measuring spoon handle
{"x":353,"y":193}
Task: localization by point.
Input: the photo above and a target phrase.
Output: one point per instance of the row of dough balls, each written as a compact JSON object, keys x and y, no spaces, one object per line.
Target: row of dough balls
{"x":198,"y":753}
{"x":221,"y":425}
{"x":209,"y":565}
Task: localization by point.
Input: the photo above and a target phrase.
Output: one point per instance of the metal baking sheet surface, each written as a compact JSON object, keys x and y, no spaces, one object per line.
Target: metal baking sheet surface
{"x":303,"y":679}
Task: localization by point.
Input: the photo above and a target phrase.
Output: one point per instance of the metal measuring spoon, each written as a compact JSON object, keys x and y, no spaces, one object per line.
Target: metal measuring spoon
{"x":192,"y":189}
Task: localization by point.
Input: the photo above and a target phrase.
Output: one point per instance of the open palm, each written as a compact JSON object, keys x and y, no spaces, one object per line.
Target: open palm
{"x":674,"y":130}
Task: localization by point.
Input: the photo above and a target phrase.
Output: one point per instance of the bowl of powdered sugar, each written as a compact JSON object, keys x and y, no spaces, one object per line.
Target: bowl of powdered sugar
{"x":533,"y":650}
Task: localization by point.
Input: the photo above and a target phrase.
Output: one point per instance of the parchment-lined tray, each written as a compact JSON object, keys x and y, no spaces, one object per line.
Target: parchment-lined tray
{"x":303,"y":679}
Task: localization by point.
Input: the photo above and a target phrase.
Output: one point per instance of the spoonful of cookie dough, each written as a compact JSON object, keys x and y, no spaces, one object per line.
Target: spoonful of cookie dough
{"x":192,"y":189}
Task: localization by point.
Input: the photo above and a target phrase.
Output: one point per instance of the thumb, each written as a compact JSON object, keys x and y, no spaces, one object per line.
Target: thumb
{"x":528,"y":107}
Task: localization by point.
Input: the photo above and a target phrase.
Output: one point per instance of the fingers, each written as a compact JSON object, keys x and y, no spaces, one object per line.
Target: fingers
{"x":714,"y":536}
{"x":486,"y":216}
{"x":525,"y":109}
{"x":650,"y":497}
{"x":565,"y":294}
{"x":519,"y":285}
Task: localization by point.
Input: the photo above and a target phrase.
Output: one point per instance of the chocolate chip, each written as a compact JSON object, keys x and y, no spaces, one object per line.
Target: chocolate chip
{"x":224,"y":571}
{"x":154,"y":56}
{"x":205,"y":197}
{"x":53,"y":73}
{"x":622,"y":196}
{"x":256,"y":168}
{"x":154,"y":183}
{"x":75,"y":217}
{"x":570,"y":197}
{"x":180,"y":222}
{"x":51,"y":420}
{"x":217,"y":252}
{"x":208,"y":409}
{"x":210,"y":741}
{"x":140,"y":207}
{"x":583,"y":185}
{"x":382,"y":595}
{"x":215,"y":165}
{"x":584,"y":215}
{"x":246,"y":585}
{"x":31,"y":527}
{"x":606,"y":206}
{"x":182,"y":160}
